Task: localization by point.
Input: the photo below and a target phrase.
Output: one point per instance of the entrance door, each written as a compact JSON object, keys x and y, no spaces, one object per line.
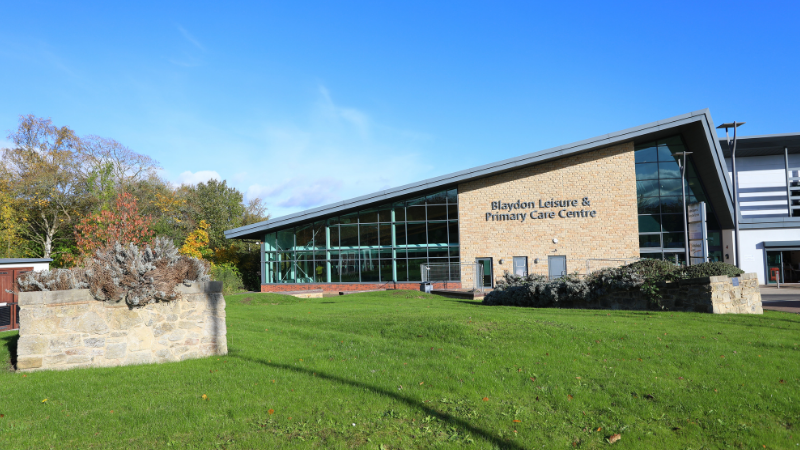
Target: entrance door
{"x":487,"y":271}
{"x":783,"y":266}
{"x":774,"y":267}
{"x":521,"y":266}
{"x":9,"y":310}
{"x":557,"y":266}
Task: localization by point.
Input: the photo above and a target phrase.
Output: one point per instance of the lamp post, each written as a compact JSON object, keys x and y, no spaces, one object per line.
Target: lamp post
{"x":734,"y":125}
{"x":682,"y":166}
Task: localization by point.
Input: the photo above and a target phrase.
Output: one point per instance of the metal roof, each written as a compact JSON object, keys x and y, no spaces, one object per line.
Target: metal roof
{"x":696,"y":127}
{"x":773,"y":244}
{"x":24,"y":260}
{"x":768,"y":144}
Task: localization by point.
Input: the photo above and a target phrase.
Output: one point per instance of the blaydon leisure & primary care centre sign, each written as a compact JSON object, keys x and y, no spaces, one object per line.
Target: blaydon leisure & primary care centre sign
{"x":564,"y":209}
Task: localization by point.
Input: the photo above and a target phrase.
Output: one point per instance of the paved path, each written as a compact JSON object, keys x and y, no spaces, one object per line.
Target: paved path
{"x":786,"y":299}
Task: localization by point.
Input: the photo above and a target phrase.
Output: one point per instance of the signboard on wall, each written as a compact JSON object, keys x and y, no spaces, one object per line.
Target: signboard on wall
{"x":698,"y":233}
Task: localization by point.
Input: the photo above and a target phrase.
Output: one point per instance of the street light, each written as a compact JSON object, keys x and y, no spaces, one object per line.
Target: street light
{"x":682,"y":166}
{"x":734,"y":125}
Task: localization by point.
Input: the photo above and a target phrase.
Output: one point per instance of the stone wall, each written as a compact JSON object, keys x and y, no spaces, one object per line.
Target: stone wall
{"x":716,"y":295}
{"x":607,"y":227}
{"x":67,"y":329}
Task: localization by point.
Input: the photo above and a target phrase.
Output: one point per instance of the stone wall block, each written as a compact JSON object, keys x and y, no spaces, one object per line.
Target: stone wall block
{"x":190,"y":355}
{"x":163,"y":328}
{"x":116,"y":351}
{"x":60,"y":342}
{"x":176,"y":335}
{"x":32,"y":345}
{"x":88,"y":322}
{"x":45,"y":326}
{"x":70,"y":329}
{"x":141,"y":357}
{"x":140,"y":338}
{"x":124,"y":319}
{"x":29,"y":362}
{"x":54,"y":360}
{"x":79,"y":359}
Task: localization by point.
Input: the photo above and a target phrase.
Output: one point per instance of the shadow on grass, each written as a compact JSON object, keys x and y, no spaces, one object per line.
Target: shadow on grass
{"x":10,"y":342}
{"x":486,"y":435}
{"x":471,"y":302}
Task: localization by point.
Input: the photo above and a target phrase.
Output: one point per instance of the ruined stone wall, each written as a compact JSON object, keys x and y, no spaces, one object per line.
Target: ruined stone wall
{"x":67,"y":329}
{"x":718,"y":295}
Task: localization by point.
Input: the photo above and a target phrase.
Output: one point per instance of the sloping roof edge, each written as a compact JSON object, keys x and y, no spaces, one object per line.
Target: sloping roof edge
{"x":24,"y":260}
{"x":518,"y":162}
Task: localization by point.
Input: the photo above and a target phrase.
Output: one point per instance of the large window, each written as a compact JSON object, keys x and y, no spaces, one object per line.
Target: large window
{"x":660,"y":204}
{"x":384,"y":243}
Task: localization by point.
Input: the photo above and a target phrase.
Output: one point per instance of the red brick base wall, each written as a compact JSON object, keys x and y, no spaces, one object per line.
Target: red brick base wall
{"x":332,"y":287}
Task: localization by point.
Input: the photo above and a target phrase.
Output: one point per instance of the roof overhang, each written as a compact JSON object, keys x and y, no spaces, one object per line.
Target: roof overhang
{"x":765,"y":145}
{"x":697,"y":129}
{"x":25,"y":260}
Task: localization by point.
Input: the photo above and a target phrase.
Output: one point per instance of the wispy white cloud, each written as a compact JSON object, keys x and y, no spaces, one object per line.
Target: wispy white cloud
{"x":353,"y":116}
{"x":6,"y":144}
{"x":265,"y":192}
{"x":315,"y":193}
{"x":188,"y":36}
{"x":200,"y":176}
{"x":188,"y":61}
{"x":332,"y":153}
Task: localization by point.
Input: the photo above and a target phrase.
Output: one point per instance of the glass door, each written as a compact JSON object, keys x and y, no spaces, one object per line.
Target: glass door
{"x":487,"y":271}
{"x":774,"y":267}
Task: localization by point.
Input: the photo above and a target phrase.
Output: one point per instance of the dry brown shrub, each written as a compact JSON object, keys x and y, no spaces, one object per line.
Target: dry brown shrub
{"x":118,"y":272}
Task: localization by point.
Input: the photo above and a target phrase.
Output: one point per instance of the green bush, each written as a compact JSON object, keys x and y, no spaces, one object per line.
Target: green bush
{"x":537,"y":291}
{"x":645,"y":276}
{"x":711,"y":269}
{"x":230,"y":276}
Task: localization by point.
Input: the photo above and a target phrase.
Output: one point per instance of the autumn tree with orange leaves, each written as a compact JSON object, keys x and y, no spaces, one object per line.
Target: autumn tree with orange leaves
{"x":122,"y":223}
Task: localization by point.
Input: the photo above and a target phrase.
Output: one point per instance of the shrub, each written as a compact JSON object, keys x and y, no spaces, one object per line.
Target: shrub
{"x":654,"y":270}
{"x":537,"y":291}
{"x":644,"y":275}
{"x":116,"y":272}
{"x":712,"y":269}
{"x":230,"y":277}
{"x":615,"y":279}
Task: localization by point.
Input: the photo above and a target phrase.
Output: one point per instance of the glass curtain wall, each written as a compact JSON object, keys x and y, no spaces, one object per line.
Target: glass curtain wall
{"x":659,"y":201}
{"x":385,"y":243}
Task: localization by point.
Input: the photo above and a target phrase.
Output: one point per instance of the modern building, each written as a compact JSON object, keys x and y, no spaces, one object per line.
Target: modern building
{"x":768,"y":169}
{"x":615,"y":197}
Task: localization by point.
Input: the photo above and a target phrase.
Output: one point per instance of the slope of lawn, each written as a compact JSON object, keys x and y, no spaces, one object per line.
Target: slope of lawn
{"x":408,"y":370}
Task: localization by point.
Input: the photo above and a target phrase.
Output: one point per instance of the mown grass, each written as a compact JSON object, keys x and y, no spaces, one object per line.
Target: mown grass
{"x":410,"y":370}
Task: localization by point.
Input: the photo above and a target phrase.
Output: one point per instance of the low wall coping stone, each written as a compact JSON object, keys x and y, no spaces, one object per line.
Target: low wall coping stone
{"x":84,"y":295}
{"x":54,"y":297}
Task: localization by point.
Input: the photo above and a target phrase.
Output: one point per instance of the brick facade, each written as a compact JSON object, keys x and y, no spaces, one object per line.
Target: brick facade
{"x":605,"y":177}
{"x":337,"y":287}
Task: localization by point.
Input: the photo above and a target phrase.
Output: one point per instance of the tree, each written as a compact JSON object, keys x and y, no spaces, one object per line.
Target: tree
{"x":122,"y":223}
{"x":196,"y":244}
{"x":124,"y":165}
{"x":43,"y":171}
{"x":11,"y":223}
{"x":254,"y":212}
{"x":219,"y":205}
{"x":167,"y":206}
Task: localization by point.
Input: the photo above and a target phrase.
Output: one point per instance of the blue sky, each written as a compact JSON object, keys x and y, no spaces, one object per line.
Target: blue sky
{"x":306,"y":103}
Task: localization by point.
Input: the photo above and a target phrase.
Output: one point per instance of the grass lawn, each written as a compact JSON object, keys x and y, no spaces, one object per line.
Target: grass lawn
{"x":408,"y":370}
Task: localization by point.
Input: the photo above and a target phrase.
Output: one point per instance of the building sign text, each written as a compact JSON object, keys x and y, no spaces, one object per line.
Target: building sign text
{"x":515,"y":211}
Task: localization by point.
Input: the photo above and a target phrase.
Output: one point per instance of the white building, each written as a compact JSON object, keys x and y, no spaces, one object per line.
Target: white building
{"x":768,"y":169}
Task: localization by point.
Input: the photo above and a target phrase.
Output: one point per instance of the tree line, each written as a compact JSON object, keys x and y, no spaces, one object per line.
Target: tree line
{"x":62,"y":196}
